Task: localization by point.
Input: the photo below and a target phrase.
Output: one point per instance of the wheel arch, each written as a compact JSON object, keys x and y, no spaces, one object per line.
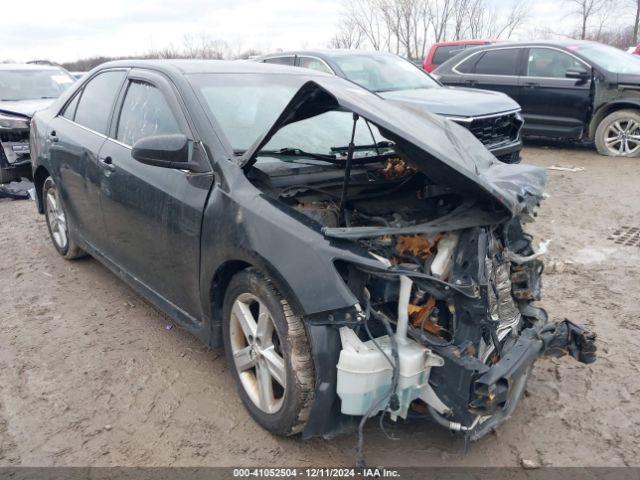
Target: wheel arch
{"x":608,"y":109}
{"x":220,"y":282}
{"x":39,"y":176}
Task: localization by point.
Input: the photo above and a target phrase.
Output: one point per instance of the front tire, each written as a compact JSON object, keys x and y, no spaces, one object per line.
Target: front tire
{"x":268,"y":354}
{"x":57,"y":222}
{"x":618,"y":134}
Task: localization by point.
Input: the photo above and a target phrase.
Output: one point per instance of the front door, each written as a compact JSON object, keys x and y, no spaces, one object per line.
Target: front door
{"x":153,"y":215}
{"x":552,"y":104}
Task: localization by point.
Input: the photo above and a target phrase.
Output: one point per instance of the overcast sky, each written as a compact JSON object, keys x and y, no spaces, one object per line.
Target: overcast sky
{"x":66,"y":30}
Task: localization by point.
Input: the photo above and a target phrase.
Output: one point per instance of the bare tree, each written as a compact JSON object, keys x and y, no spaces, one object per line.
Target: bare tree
{"x":366,"y":15}
{"x":636,"y":23}
{"x":516,"y":16}
{"x":406,"y":26}
{"x":439,"y":13}
{"x":586,"y":10}
{"x":349,"y":35}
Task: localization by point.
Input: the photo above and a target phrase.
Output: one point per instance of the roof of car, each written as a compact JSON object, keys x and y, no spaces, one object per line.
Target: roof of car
{"x":462,"y":42}
{"x":27,"y":66}
{"x":327,"y":53}
{"x":209,"y":66}
{"x":551,"y":43}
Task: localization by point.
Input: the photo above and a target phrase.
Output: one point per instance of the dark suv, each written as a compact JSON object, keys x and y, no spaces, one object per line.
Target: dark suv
{"x":571,"y":89}
{"x":493,"y":118}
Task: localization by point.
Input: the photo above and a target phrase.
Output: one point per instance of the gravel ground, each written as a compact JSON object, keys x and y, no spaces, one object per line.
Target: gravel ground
{"x":90,"y":375}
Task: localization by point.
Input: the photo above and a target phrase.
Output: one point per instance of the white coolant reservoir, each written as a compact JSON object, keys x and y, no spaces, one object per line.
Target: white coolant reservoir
{"x":442,"y":262}
{"x":364,"y":374}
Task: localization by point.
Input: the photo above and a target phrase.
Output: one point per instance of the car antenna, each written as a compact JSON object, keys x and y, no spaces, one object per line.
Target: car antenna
{"x":347,"y":169}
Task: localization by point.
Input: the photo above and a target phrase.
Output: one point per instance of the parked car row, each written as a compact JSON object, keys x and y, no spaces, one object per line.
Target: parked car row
{"x":570,"y":89}
{"x":492,"y":117}
{"x":354,"y":253}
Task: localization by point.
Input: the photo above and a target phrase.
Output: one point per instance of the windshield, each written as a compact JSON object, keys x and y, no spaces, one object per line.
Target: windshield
{"x":246,"y":106}
{"x":383,"y":73}
{"x":609,"y":58}
{"x":327,"y":134}
{"x":31,"y":84}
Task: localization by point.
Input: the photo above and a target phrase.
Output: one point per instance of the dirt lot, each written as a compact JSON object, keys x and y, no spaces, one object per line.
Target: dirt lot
{"x":91,"y":375}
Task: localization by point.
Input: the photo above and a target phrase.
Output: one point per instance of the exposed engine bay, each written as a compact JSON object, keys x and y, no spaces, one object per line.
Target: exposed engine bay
{"x":445,"y":322}
{"x":453,"y":308}
{"x":449,"y":325}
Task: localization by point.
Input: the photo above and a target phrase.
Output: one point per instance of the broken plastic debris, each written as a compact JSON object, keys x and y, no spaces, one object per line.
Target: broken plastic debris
{"x":529,"y":464}
{"x":169,"y":327}
{"x":561,"y":168}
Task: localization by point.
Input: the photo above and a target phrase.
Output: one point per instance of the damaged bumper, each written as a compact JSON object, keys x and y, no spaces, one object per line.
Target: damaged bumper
{"x":497,"y":391}
{"x":15,"y":155}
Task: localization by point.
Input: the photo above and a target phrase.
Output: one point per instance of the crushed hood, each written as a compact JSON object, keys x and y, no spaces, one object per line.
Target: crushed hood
{"x":446,"y":152}
{"x":458,"y":102}
{"x":25,"y":108}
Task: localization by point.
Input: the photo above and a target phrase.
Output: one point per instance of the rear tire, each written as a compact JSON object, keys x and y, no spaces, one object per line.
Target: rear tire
{"x":58,"y":223}
{"x":268,"y":354}
{"x":618,"y":134}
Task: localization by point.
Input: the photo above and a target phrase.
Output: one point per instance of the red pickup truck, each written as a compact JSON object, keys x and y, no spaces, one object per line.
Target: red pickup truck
{"x":443,"y":51}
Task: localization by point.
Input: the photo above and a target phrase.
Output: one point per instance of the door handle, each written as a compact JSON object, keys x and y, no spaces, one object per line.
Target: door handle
{"x":107,"y":163}
{"x":471,"y":83}
{"x":54,"y":137}
{"x":531,"y":85}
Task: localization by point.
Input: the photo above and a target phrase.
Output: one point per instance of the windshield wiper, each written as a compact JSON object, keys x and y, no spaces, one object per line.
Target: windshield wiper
{"x":296,"y":152}
{"x":381,"y":144}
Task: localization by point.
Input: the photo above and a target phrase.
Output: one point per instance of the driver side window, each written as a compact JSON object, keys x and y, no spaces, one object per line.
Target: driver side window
{"x":145,"y":113}
{"x":545,"y":62}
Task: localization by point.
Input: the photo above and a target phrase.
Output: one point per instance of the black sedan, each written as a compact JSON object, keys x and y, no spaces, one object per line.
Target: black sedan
{"x":567,"y":89}
{"x":493,"y":118}
{"x":353,"y":256}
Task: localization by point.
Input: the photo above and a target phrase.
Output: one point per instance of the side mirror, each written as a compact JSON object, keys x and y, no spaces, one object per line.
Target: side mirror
{"x":168,"y":151}
{"x":577,"y":74}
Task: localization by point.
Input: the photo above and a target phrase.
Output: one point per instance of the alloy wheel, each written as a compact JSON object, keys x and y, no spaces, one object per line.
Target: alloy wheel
{"x":56,"y":218}
{"x":257,"y":355}
{"x":623,"y":137}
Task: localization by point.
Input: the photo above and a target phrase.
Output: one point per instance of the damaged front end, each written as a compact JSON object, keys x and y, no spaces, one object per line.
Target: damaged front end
{"x":444,"y":276}
{"x":464,"y":300}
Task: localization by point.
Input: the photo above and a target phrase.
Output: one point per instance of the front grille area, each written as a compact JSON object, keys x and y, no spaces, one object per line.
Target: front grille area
{"x":492,"y":131}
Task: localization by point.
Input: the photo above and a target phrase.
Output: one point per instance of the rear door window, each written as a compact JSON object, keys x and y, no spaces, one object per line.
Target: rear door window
{"x":145,"y":113}
{"x":444,"y":53}
{"x":498,"y":62}
{"x":97,"y":99}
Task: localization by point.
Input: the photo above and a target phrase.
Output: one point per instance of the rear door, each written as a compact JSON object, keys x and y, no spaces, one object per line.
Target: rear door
{"x":76,"y":136}
{"x":553,"y":104}
{"x":498,"y":69}
{"x":153,"y":215}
